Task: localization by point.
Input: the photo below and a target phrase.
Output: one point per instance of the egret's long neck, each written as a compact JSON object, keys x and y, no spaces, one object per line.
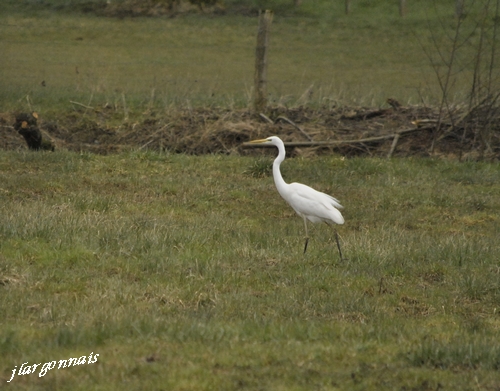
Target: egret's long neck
{"x":278,"y":179}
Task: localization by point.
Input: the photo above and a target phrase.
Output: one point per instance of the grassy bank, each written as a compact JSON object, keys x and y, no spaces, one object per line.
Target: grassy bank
{"x":188,"y":273}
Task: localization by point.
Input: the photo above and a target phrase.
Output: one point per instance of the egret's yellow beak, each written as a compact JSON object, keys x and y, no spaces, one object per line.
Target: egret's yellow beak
{"x":263,"y":140}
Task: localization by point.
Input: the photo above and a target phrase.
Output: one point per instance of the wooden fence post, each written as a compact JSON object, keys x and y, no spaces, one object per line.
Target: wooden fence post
{"x":347,"y":7}
{"x":459,"y":8}
{"x":402,"y":8}
{"x":260,"y":79}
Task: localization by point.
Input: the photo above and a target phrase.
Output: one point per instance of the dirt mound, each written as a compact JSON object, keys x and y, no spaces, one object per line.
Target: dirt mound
{"x":350,"y":131}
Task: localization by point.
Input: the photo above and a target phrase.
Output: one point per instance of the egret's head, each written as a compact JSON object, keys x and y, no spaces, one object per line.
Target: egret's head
{"x":270,"y":140}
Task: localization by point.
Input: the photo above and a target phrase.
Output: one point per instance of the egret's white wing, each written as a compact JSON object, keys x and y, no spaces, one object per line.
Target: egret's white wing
{"x":313,"y":204}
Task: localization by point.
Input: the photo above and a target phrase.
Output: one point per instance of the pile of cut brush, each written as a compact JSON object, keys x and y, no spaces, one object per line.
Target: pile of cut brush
{"x":395,"y":130}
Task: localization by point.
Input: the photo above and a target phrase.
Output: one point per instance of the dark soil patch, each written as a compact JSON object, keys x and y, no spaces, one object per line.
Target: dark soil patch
{"x":351,"y":131}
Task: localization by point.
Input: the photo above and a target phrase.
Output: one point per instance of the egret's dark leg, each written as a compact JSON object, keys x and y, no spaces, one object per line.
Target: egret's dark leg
{"x":307,"y":236}
{"x":338,"y":242}
{"x":338,"y":245}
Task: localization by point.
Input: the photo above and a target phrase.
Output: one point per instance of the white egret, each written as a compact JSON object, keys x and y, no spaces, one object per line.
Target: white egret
{"x":310,"y":204}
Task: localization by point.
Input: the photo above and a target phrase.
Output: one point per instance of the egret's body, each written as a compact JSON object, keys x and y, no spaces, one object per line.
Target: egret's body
{"x":310,"y":204}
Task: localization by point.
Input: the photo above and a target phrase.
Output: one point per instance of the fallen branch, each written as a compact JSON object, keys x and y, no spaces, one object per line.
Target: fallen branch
{"x":338,"y":142}
{"x":283,"y":118}
{"x":81,"y":104}
{"x":393,"y":146}
{"x":154,"y":134}
{"x":266,"y":118}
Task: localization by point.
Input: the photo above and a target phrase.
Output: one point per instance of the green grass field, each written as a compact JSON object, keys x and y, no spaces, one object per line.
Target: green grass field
{"x":317,"y":55}
{"x":187,"y":273}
